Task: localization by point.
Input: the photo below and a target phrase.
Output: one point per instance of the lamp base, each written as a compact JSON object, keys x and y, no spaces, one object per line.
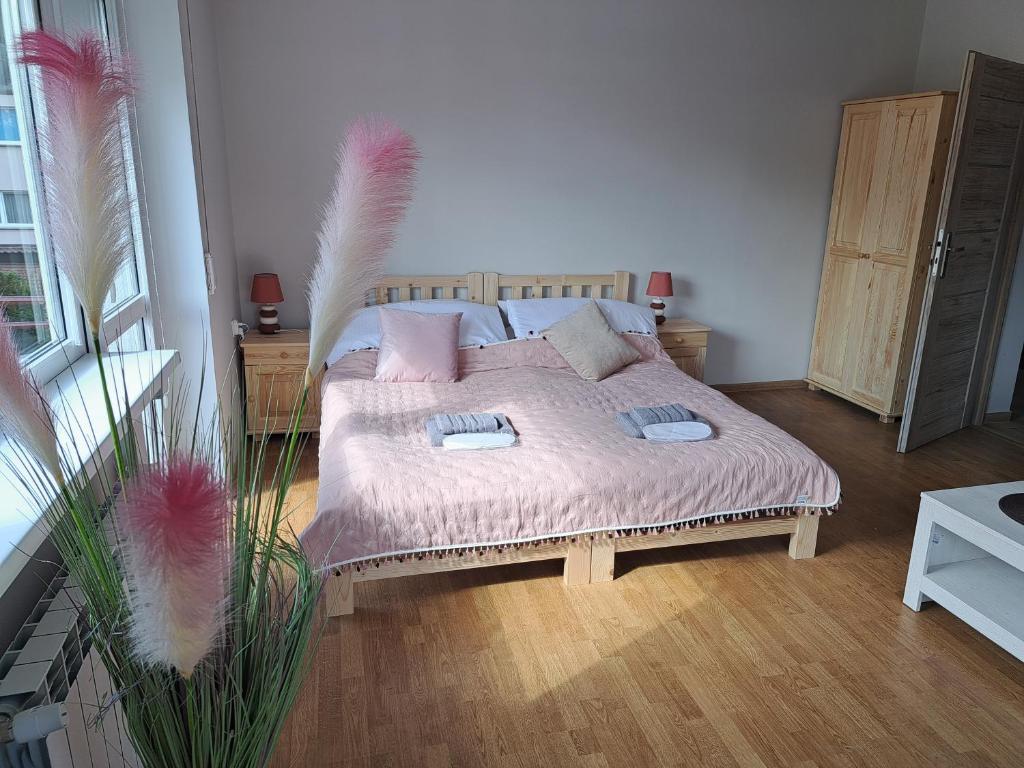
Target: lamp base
{"x":659,"y":311}
{"x":268,"y":319}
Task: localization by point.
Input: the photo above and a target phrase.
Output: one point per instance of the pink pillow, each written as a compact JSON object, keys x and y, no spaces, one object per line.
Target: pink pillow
{"x":415,"y":346}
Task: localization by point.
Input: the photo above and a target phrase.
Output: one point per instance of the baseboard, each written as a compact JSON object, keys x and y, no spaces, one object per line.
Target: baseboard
{"x":757,"y":386}
{"x":998,"y":416}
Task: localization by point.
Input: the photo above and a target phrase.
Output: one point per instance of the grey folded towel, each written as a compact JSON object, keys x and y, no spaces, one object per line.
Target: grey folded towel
{"x":661,"y":414}
{"x":440,"y":425}
{"x":634,"y":420}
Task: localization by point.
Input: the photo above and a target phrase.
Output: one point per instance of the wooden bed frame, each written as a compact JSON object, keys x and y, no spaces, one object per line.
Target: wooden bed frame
{"x":589,"y":558}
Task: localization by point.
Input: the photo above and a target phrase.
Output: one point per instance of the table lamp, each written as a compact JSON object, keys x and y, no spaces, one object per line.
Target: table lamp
{"x":658,"y":288}
{"x":266,"y":291}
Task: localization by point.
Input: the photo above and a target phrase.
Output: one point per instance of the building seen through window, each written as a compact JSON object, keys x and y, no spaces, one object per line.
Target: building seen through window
{"x":22,"y":284}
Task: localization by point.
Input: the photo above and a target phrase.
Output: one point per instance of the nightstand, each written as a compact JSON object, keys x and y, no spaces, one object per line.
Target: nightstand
{"x":275,"y":365}
{"x":686,"y":342}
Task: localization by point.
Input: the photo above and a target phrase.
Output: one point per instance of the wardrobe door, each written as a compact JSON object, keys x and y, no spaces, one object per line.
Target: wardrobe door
{"x":849,"y":228}
{"x":892,"y":248}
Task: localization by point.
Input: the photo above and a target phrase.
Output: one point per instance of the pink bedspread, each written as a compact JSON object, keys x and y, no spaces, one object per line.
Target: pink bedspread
{"x":385,"y":492}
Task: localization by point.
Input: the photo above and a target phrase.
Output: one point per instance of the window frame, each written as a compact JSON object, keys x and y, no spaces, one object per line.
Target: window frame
{"x":118,"y":319}
{"x":121,"y":317}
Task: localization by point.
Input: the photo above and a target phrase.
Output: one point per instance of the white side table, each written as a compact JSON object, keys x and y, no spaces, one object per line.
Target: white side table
{"x":969,"y":558}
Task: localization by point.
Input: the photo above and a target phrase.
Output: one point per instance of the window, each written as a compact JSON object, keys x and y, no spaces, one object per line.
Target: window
{"x":29,"y":287}
{"x":6,"y":87}
{"x":21,"y":286}
{"x":47,"y":320}
{"x":16,"y":209}
{"x":9,"y":123}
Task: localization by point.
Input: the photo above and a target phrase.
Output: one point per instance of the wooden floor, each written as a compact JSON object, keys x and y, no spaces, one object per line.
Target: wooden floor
{"x":719,"y":655}
{"x":1008,"y":430}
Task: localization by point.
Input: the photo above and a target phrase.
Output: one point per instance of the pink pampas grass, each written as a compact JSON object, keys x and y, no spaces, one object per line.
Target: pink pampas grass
{"x":376,"y":169}
{"x":25,"y":416}
{"x":83,"y":160}
{"x":175,"y":523}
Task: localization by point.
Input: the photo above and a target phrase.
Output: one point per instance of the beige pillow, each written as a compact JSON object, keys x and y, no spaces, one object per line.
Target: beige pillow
{"x":589,"y":344}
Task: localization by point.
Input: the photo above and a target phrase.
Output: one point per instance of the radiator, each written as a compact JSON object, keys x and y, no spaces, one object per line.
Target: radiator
{"x":53,"y":688}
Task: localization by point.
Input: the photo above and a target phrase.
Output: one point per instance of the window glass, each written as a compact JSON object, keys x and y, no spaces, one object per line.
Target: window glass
{"x":17,"y":208}
{"x":28,"y":285}
{"x":133,"y":339}
{"x":9,"y":124}
{"x":6,"y":86}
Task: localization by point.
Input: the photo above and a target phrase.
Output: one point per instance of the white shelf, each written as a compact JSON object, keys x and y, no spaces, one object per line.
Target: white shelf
{"x":986,"y":593}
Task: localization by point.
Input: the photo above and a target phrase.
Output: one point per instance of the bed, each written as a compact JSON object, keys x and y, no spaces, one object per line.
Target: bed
{"x":575,"y":487}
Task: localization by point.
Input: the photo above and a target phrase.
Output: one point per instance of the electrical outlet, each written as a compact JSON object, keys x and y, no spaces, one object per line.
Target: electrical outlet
{"x":238,"y":328}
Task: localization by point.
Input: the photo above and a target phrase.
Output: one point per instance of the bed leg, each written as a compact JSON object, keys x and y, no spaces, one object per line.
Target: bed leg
{"x":577,"y":562}
{"x":804,"y":539}
{"x":338,"y":594}
{"x":602,"y":559}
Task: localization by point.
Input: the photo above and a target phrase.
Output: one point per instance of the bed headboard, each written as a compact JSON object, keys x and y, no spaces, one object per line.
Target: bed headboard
{"x":611,"y":286}
{"x":469,"y":287}
{"x":488,"y":287}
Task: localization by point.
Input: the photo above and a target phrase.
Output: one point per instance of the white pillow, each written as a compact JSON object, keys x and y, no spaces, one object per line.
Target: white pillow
{"x":481,"y":324}
{"x":529,"y":318}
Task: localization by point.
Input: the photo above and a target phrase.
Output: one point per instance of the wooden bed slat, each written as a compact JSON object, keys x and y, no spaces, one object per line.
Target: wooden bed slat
{"x":587,"y":560}
{"x":741,"y":529}
{"x":614,"y":285}
{"x":488,"y":287}
{"x":413,"y":566}
{"x":804,"y":540}
{"x":469,"y":287}
{"x":577,"y":562}
{"x":602,"y":559}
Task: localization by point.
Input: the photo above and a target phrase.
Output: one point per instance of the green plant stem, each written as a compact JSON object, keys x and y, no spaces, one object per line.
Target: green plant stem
{"x":284,"y":482}
{"x":293,"y":441}
{"x":118,"y":451}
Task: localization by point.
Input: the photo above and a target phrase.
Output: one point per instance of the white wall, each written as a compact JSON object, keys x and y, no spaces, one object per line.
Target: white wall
{"x":996,"y":27}
{"x":571,"y":135}
{"x":181,"y":312}
{"x":208,"y":140}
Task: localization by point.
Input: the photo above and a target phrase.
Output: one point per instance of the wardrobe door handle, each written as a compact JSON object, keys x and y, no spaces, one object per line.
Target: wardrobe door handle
{"x":944,"y":258}
{"x":942,"y":245}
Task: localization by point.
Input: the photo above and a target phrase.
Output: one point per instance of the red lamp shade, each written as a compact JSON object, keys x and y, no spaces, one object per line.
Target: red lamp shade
{"x":266,"y":289}
{"x":660,"y":284}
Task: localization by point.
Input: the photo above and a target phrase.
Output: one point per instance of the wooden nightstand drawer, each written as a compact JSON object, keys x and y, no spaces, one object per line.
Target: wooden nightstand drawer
{"x":291,"y":353}
{"x":683,"y":339}
{"x":686,"y":342}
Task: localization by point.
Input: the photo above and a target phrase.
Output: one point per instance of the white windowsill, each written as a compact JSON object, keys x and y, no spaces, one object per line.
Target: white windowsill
{"x":77,"y":399}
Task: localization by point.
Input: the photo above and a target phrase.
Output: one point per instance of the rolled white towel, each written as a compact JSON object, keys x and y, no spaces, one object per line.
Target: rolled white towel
{"x":678,"y":432}
{"x":476,"y":441}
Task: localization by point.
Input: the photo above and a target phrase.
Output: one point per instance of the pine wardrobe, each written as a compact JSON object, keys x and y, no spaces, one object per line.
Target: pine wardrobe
{"x":885,"y":201}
